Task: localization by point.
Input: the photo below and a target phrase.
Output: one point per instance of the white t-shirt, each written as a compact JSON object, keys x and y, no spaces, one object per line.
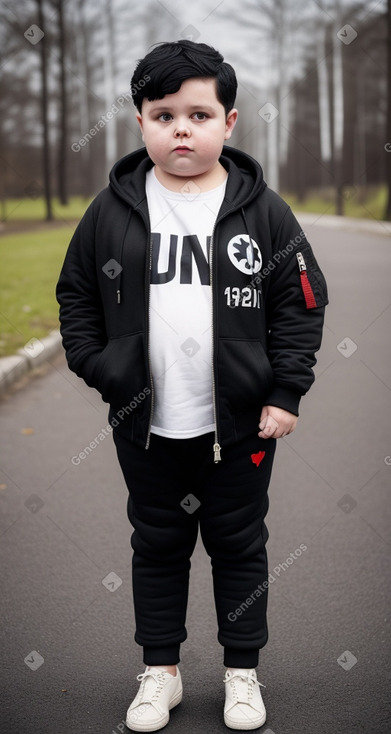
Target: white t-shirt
{"x":180,"y":320}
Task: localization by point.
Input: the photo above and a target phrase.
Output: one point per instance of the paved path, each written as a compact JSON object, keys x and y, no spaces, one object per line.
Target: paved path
{"x":70,"y":658}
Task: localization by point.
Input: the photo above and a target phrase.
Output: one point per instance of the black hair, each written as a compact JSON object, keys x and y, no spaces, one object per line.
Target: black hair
{"x":163,"y":70}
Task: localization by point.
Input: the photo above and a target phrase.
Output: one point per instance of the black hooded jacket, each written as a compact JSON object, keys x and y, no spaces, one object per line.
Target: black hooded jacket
{"x":268,"y":297}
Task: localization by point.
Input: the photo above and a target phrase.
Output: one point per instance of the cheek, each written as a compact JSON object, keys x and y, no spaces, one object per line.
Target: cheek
{"x":152,"y":132}
{"x":154,"y":141}
{"x":209,"y":145}
{"x":214,"y":135}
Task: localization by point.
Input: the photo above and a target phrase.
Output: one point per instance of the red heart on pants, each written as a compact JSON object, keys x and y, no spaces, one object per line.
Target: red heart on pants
{"x":257,"y":458}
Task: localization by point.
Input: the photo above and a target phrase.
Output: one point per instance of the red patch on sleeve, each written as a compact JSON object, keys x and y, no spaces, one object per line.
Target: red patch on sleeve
{"x":310,"y":300}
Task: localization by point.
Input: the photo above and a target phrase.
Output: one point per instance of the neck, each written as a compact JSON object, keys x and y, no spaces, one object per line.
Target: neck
{"x":205,"y":181}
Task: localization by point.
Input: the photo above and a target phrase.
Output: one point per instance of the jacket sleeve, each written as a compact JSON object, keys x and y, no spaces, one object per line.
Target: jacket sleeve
{"x":82,"y":323}
{"x":296,"y":301}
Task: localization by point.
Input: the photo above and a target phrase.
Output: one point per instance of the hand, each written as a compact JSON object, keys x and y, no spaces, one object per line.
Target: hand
{"x":276,"y":422}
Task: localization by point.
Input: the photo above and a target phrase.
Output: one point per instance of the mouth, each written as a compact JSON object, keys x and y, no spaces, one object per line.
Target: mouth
{"x":182,"y":149}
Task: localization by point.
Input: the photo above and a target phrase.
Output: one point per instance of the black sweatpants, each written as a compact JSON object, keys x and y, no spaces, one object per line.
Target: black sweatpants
{"x":174,"y":486}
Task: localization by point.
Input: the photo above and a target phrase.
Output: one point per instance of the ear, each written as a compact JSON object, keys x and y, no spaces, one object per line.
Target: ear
{"x":140,"y":122}
{"x":230,"y":123}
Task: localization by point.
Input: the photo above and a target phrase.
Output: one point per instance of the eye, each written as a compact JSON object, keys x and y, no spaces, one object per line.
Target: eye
{"x":200,"y":116}
{"x":165,"y":117}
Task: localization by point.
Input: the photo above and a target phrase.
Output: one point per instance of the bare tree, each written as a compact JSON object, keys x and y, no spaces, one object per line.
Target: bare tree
{"x":387,"y":213}
{"x":278,"y":30}
{"x":84,"y":32}
{"x":338,"y":108}
{"x":323,"y":97}
{"x":63,"y":137}
{"x":109,"y":82}
{"x":286,"y":53}
{"x":44,"y":115}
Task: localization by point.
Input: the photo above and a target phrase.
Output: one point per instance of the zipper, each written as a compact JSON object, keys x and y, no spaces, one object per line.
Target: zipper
{"x":216,"y":445}
{"x":148,"y":348}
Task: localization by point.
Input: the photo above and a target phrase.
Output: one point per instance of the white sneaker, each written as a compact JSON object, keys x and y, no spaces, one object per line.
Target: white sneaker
{"x":244,"y":707}
{"x":158,"y":693}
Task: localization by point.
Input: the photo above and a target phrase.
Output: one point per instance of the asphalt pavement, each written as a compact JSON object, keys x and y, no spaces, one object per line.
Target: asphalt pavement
{"x":69,"y":657}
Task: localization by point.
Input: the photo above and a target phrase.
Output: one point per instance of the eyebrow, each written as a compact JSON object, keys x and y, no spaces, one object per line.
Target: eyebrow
{"x":194,"y":108}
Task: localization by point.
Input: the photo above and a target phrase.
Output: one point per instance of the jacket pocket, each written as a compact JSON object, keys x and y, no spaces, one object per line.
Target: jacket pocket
{"x":120,"y":369}
{"x":245,"y":374}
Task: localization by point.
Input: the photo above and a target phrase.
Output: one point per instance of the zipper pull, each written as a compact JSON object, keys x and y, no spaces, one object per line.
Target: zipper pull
{"x":118,"y":296}
{"x":217,"y":452}
{"x":301,"y":261}
{"x":308,"y":293}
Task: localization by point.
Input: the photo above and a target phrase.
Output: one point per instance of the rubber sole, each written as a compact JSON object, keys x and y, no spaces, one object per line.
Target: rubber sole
{"x":242,"y":726}
{"x":134,"y":726}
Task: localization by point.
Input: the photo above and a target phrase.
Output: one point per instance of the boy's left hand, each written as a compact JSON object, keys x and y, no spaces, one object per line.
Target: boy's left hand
{"x":276,"y":422}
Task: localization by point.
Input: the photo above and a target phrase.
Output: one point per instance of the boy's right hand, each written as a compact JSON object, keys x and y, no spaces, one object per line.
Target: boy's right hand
{"x":276,"y":422}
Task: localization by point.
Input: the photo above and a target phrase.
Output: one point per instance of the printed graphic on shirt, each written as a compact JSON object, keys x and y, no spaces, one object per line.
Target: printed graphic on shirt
{"x":244,"y":254}
{"x":180,"y":308}
{"x":188,"y":257}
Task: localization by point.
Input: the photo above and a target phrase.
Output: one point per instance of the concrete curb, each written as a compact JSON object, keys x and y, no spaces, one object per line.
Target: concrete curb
{"x":35,"y":353}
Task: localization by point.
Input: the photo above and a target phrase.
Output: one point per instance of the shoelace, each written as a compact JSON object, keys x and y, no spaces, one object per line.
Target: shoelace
{"x":250,"y":678}
{"x":159,"y":678}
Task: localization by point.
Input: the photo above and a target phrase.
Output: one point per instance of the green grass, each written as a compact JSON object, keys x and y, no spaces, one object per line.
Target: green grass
{"x":369,"y":203}
{"x":30,"y":266}
{"x":34,"y":209}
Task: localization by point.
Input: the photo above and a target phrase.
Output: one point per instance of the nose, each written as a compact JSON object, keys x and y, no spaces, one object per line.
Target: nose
{"x":182,"y":130}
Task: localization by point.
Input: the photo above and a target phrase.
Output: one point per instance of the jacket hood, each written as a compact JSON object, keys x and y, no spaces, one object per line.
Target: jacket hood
{"x":245,"y":182}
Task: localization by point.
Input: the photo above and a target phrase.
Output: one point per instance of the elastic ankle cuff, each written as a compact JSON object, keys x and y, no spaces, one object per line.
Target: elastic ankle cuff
{"x":239,"y":658}
{"x":161,"y":655}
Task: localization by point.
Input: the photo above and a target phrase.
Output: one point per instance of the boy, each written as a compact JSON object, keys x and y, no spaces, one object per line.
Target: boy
{"x":192,"y":301}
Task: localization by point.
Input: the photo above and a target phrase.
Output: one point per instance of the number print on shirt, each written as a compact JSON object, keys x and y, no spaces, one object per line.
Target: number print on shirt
{"x":246,"y":297}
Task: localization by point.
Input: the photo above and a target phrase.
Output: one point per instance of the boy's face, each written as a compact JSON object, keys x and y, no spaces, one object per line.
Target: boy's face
{"x":184,"y":132}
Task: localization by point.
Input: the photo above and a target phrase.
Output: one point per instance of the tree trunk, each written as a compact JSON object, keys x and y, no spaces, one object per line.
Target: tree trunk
{"x":387,"y":213}
{"x":83,"y":72}
{"x":109,"y":84}
{"x":62,"y":143}
{"x":323,"y":102}
{"x":338,"y":111}
{"x":44,"y":114}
